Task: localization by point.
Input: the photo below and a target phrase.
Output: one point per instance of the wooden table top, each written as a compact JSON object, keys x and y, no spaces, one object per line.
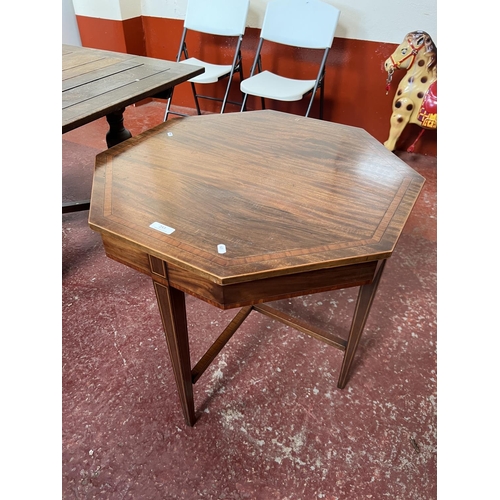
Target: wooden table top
{"x":282,"y":193}
{"x":98,"y":82}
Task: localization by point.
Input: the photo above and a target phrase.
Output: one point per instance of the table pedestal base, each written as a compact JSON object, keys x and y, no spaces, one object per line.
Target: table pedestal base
{"x":117,"y":132}
{"x":171,"y":303}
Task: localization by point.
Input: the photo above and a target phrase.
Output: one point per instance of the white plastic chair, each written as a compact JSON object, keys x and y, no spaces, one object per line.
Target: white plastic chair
{"x":225,"y":18}
{"x":305,"y":24}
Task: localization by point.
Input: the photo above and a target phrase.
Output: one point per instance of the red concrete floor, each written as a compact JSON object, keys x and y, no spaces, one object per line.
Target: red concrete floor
{"x":271,"y":422}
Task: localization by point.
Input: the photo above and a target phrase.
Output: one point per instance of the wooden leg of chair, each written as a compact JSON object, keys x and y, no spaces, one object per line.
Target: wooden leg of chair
{"x":363,"y":305}
{"x":172,"y":305}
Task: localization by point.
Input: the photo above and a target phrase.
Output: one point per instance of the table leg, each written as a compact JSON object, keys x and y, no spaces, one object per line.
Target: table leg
{"x":363,"y":305}
{"x":117,"y":132}
{"x":172,"y":305}
{"x":75,"y":206}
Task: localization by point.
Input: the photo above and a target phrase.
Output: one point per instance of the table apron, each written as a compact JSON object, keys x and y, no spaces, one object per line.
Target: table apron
{"x":243,"y":293}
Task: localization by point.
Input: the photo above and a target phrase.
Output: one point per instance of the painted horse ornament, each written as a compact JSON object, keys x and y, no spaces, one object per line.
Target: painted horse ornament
{"x":416,"y":97}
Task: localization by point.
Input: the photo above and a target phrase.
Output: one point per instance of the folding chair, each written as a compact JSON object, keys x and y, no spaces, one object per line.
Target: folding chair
{"x":305,"y":24}
{"x":224,"y":18}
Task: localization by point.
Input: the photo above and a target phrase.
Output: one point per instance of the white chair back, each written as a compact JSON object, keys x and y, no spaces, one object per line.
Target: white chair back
{"x":300,"y":23}
{"x":217,"y":17}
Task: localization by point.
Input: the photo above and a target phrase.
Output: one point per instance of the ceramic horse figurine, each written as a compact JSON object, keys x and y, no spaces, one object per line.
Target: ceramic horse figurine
{"x":416,"y":97}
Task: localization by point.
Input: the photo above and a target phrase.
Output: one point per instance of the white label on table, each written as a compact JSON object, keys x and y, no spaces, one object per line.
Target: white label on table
{"x":162,"y":228}
{"x":221,"y":248}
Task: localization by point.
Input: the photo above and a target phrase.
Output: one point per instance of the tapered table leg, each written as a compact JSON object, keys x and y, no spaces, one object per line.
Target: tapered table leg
{"x":365,"y":298}
{"x":172,"y":305}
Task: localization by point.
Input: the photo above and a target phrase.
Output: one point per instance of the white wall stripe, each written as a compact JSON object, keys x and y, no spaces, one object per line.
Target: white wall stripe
{"x":381,"y":21}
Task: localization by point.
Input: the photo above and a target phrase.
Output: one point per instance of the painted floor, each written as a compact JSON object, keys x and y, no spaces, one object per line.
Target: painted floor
{"x":271,"y":422}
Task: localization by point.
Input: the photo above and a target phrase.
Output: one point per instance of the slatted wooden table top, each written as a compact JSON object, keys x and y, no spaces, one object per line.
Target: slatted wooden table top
{"x":98,"y":82}
{"x":244,"y":196}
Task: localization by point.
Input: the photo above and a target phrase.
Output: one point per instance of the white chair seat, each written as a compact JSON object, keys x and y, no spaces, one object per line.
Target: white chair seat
{"x":225,"y":20}
{"x":272,"y":86}
{"x":212,"y":71}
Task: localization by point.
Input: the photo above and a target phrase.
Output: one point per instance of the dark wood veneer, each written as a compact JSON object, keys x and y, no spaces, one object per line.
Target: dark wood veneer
{"x":301,"y":205}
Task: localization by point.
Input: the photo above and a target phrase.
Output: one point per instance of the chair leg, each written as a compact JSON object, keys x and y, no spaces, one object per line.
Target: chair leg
{"x":241,"y":79}
{"x":257,"y":64}
{"x":243,"y":103}
{"x":167,"y":109}
{"x":226,"y":95}
{"x":240,"y":70}
{"x":195,"y":95}
{"x":321,"y":98}
{"x":182,"y":49}
{"x":236,"y":66}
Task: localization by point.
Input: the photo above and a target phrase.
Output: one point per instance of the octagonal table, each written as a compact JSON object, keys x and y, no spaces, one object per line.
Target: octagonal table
{"x":245,"y":208}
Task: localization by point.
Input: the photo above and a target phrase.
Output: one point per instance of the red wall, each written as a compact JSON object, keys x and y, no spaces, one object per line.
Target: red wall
{"x":354,"y":84}
{"x":120,"y":36}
